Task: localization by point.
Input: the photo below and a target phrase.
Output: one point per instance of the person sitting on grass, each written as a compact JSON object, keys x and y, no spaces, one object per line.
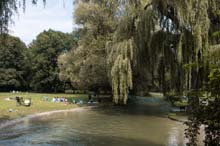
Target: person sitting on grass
{"x":65,"y":101}
{"x":54,"y":99}
{"x":19,"y":100}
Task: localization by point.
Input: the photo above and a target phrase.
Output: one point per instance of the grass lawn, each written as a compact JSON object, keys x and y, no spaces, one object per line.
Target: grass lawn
{"x":38,"y":104}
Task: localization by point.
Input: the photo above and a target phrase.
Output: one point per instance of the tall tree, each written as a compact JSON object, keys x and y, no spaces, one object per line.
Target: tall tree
{"x":87,"y":63}
{"x":44,"y":55}
{"x":12,"y":63}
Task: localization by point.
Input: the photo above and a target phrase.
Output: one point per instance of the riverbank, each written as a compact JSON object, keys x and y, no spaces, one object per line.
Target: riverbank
{"x":87,"y":126}
{"x":178,"y":117}
{"x":36,"y":115}
{"x":10,"y":111}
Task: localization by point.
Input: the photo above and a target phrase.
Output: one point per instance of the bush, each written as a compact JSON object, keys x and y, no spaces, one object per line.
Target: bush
{"x":68,"y":91}
{"x":80,"y":91}
{"x":171,"y":97}
{"x":181,"y":103}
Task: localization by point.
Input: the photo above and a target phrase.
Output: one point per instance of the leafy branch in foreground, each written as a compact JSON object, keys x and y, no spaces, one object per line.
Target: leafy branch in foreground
{"x":8,"y":8}
{"x":206,"y":115}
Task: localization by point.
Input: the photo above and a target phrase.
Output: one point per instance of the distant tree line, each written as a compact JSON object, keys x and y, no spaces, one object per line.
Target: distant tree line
{"x":34,"y":67}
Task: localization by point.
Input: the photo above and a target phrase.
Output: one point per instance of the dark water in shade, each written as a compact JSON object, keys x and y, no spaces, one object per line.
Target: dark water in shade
{"x":142,"y":124}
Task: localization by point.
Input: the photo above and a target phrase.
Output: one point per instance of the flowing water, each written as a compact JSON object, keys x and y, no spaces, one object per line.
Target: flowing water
{"x":144,"y":123}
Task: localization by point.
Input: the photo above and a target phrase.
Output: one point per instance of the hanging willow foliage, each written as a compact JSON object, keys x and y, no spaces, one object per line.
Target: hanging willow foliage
{"x":8,"y":8}
{"x":148,"y":50}
{"x":120,"y":53}
{"x":189,"y":15}
{"x":174,"y":31}
{"x":185,"y":19}
{"x":176,"y":20}
{"x":214,"y":54}
{"x":120,"y":56}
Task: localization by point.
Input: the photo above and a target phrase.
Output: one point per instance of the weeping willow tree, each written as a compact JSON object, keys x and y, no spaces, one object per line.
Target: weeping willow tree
{"x":192,"y":21}
{"x":188,"y":20}
{"x":175,"y":40}
{"x":167,"y":34}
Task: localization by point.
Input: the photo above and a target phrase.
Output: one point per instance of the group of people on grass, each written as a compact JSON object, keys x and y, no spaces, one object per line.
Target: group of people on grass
{"x":59,"y":99}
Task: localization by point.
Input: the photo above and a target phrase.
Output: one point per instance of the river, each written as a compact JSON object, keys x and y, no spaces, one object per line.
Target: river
{"x":143,"y":123}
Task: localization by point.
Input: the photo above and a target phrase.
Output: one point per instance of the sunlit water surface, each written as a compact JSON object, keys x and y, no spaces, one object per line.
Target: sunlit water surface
{"x":142,"y":124}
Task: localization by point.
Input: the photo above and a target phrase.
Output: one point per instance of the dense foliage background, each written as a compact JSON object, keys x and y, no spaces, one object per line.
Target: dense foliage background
{"x":12,"y":63}
{"x":33,"y":67}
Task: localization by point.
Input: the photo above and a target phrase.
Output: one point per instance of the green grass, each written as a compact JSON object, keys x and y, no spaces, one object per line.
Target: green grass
{"x":38,"y":104}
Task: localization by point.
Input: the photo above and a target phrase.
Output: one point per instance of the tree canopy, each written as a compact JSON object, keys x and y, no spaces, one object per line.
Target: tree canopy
{"x":34,"y":67}
{"x":12,"y":63}
{"x":86,"y":65}
{"x":44,"y":52}
{"x":145,"y":44}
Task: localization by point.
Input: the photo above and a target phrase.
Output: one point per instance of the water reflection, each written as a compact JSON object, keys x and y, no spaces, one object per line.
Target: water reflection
{"x":175,"y":134}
